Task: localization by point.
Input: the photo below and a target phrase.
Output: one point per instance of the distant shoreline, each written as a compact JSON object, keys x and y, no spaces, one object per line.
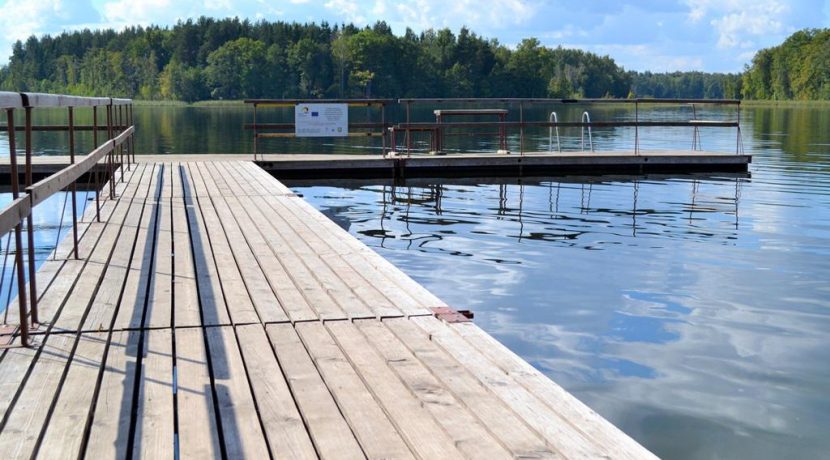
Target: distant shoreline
{"x":240,"y":103}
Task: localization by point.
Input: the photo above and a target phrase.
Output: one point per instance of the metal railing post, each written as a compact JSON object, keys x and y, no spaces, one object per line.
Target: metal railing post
{"x":521,"y":129}
{"x":30,"y":229}
{"x":112,"y":152}
{"x":636,"y":127}
{"x":97,"y":172}
{"x":408,"y":133}
{"x":120,"y":122}
{"x":131,"y":139}
{"x":383,"y":126}
{"x":73,"y":187}
{"x":18,"y":232}
{"x":553,"y":118}
{"x":255,"y":134}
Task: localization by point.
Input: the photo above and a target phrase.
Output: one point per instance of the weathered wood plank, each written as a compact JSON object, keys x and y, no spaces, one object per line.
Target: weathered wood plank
{"x":468,"y":434}
{"x":198,"y":433}
{"x":64,"y":433}
{"x":494,"y":413}
{"x":243,"y":437}
{"x":132,"y":306}
{"x":186,"y":297}
{"x":235,"y":294}
{"x":208,"y":281}
{"x":295,"y":298}
{"x":14,"y":365}
{"x":110,"y":429}
{"x":323,"y":288}
{"x":329,"y":431}
{"x":383,"y":296}
{"x":424,"y":435}
{"x":287,"y":436}
{"x":265,"y":300}
{"x":372,"y":427}
{"x":27,"y":417}
{"x":160,"y":302}
{"x":558,"y":432}
{"x":154,"y":427}
{"x":402,"y":291}
{"x":582,"y":417}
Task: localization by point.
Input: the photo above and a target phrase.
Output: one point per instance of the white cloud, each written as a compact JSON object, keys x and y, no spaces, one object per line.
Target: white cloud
{"x":139,"y":12}
{"x":735,"y":21}
{"x":20,"y":19}
{"x":433,"y":14}
{"x":347,"y":9}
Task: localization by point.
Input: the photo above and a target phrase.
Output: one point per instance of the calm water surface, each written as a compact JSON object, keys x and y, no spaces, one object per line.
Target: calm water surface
{"x":691,"y":311}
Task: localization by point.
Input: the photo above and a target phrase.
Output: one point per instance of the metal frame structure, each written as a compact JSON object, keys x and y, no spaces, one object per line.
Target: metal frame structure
{"x":286,"y":130}
{"x":460,"y":106}
{"x":29,"y":195}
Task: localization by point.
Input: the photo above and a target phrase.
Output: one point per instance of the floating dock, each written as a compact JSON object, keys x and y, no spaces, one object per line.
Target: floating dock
{"x":212,"y":313}
{"x":460,"y":165}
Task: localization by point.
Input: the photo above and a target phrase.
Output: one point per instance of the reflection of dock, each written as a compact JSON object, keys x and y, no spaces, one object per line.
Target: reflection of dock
{"x":214,"y":313}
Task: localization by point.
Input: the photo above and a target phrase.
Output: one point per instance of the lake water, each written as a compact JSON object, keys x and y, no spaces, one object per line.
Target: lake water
{"x":691,"y":311}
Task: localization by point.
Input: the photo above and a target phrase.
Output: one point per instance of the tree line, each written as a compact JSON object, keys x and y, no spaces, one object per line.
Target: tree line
{"x":233,"y":59}
{"x":799,"y":68}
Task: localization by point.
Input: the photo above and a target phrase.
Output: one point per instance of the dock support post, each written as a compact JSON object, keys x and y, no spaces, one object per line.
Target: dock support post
{"x":18,"y":233}
{"x":30,"y":229}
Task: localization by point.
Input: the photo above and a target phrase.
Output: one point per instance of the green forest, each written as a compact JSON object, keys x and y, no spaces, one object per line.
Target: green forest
{"x":229,"y":59}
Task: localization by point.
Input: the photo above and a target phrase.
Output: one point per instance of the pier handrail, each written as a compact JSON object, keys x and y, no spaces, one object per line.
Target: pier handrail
{"x":24,"y":199}
{"x":409,"y":125}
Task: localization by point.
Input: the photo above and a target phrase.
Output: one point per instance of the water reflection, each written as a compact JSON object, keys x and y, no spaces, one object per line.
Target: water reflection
{"x":52,"y":220}
{"x":689,"y":310}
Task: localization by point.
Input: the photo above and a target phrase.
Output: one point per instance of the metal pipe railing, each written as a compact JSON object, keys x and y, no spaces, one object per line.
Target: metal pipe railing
{"x":24,"y":201}
{"x":553,"y":118}
{"x":586,"y":120}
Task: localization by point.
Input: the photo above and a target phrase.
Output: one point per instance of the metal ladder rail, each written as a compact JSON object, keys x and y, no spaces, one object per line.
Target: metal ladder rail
{"x":586,"y":118}
{"x":553,"y":119}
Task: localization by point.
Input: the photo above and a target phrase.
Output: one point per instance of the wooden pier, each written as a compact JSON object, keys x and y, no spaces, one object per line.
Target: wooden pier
{"x":212,"y":313}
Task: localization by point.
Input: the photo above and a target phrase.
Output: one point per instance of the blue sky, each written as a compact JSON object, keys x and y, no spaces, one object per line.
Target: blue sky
{"x":708,"y":35}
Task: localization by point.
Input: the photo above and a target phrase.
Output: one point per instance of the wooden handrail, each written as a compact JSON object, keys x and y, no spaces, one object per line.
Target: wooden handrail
{"x":47,"y":187}
{"x":10,"y":100}
{"x":13,"y":213}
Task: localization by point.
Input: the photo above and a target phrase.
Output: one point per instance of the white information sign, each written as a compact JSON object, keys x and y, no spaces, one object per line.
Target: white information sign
{"x":321,"y":120}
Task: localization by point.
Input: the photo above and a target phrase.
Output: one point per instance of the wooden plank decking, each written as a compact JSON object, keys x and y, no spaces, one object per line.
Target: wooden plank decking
{"x":215,"y":314}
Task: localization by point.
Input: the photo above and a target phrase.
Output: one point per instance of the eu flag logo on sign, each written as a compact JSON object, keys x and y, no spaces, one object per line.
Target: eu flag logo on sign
{"x":315,"y":114}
